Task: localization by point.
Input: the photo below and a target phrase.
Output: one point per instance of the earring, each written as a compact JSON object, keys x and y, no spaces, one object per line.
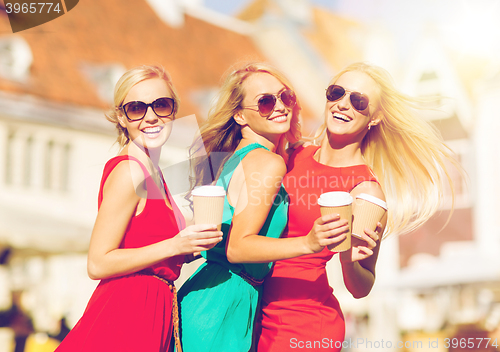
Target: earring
{"x":369,"y":126}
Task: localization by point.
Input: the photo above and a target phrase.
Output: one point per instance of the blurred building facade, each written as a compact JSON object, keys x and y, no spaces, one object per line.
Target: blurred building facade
{"x":56,"y":81}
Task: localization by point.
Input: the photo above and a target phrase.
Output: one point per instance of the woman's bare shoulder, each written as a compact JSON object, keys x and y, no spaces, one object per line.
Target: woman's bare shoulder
{"x":369,"y":187}
{"x":265,"y":162}
{"x":126,"y":176}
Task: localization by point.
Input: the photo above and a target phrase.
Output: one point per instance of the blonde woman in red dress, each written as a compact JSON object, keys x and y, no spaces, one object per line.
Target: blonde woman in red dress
{"x":139,"y":238}
{"x":374,"y":144}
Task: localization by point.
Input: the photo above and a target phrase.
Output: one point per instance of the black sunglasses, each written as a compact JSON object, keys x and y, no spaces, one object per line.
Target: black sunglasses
{"x":359,"y":101}
{"x":267,"y":102}
{"x":136,"y":110}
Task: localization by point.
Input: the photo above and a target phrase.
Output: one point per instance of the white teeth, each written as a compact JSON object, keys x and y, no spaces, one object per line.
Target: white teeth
{"x":341,"y":117}
{"x":152,"y":129}
{"x":281,"y":118}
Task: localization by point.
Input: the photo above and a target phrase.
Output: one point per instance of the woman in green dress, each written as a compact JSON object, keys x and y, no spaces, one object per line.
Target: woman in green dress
{"x":244,"y":138}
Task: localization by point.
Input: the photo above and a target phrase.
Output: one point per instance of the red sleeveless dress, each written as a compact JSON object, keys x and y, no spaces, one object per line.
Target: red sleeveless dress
{"x":299,"y":310}
{"x":133,"y":312}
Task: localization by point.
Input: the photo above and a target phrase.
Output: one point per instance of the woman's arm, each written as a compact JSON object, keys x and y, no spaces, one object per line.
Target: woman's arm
{"x":258,"y":183}
{"x":119,"y":205}
{"x":358,"y":264}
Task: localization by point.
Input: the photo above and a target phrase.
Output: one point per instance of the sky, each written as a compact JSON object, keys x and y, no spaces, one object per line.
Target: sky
{"x":468,"y":26}
{"x":232,"y":7}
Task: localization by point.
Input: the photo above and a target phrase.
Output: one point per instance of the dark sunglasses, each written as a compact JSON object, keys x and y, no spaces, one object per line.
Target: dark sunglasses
{"x":359,"y":101}
{"x":136,"y":110}
{"x":267,"y":102}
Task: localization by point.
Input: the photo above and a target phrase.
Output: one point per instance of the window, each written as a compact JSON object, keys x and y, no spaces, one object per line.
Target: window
{"x":15,"y":58}
{"x":49,"y":166}
{"x":169,"y":11}
{"x":36,"y":161}
{"x":462,"y":150}
{"x":104,"y":78}
{"x":8,"y":158}
{"x":429,"y":86}
{"x":28,"y":162}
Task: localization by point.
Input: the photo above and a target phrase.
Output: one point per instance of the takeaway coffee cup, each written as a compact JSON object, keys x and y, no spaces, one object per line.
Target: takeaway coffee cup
{"x":208,"y":203}
{"x":338,"y":203}
{"x":367,"y":210}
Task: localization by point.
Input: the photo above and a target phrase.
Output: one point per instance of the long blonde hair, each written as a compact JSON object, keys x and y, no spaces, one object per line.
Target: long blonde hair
{"x":220,"y":134}
{"x":406,"y":153}
{"x":123,"y":86}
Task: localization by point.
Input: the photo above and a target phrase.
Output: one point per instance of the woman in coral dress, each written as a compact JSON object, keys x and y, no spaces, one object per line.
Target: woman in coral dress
{"x":139,"y":238}
{"x":369,"y":126}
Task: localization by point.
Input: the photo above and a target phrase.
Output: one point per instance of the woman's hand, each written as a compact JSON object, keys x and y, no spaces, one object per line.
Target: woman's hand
{"x":328,"y":229}
{"x":197,"y":238}
{"x":362,"y":248}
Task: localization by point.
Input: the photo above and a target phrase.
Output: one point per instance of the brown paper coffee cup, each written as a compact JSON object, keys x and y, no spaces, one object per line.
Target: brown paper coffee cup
{"x":367,"y":211}
{"x":208,"y":204}
{"x":338,"y":203}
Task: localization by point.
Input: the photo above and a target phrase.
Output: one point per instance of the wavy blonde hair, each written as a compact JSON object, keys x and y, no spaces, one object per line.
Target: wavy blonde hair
{"x":123,"y":86}
{"x":406,"y":153}
{"x":220,"y":134}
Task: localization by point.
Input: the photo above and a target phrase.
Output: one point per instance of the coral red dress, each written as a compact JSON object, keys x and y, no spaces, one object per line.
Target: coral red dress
{"x":133,"y":312}
{"x":299,"y":310}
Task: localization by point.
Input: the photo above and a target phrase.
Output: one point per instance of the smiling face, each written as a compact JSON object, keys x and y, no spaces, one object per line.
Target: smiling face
{"x":273,"y":126}
{"x":152,"y":131}
{"x":341,"y":118}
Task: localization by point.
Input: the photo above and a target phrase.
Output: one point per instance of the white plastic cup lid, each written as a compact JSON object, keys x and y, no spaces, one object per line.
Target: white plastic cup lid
{"x":209,"y":191}
{"x":334,"y":199}
{"x":372,"y":199}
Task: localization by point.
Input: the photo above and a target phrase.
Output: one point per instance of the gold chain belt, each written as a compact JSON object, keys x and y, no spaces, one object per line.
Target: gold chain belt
{"x":175,"y":309}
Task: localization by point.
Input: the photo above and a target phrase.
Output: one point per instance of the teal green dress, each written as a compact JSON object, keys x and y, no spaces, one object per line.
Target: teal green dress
{"x":218,"y":302}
